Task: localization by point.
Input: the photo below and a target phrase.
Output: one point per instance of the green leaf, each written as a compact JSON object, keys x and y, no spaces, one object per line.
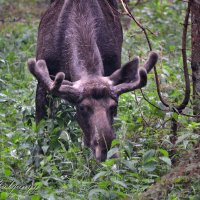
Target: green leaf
{"x":120,"y":195}
{"x":150,"y":166}
{"x":2,"y":61}
{"x":35,"y":197}
{"x":166,"y":160}
{"x":94,"y":194}
{"x":7,"y":171}
{"x":65,"y":136}
{"x":100,"y":174}
{"x":121,"y":183}
{"x":179,"y":179}
{"x":164,"y":152}
{"x":112,"y":152}
{"x":104,"y":184}
{"x":115,"y":142}
{"x":4,"y":195}
{"x":45,"y":148}
{"x":109,"y":163}
{"x":175,"y":116}
{"x":182,"y":137}
{"x":148,"y":155}
{"x":130,"y":164}
{"x":51,"y":197}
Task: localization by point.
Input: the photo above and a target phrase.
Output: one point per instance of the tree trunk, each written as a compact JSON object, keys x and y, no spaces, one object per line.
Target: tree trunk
{"x":195,"y":19}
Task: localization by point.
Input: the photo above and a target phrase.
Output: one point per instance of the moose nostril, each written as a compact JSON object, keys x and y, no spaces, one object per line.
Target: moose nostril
{"x":100,"y":155}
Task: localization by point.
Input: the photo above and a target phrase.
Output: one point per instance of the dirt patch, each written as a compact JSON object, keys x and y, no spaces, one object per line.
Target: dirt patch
{"x":21,"y":11}
{"x":187,"y":171}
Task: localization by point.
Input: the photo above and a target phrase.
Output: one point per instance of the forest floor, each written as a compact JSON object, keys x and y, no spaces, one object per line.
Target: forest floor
{"x":67,"y":171}
{"x":23,"y":11}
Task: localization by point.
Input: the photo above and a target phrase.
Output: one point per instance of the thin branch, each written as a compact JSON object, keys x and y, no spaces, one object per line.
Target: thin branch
{"x":186,"y":74}
{"x":147,"y":124}
{"x":10,"y":20}
{"x":128,"y":12}
{"x":145,"y":98}
{"x":184,"y":55}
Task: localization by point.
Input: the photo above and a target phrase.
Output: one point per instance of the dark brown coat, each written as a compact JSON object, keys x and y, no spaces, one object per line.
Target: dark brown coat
{"x":80,"y":42}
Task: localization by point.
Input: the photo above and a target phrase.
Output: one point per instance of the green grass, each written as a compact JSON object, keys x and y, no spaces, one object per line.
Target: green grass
{"x":67,"y":170}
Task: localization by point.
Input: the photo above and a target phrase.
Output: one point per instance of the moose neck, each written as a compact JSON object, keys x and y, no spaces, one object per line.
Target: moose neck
{"x":85,"y":59}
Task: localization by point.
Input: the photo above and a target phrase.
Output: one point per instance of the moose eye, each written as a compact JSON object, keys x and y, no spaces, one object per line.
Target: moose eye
{"x":84,"y":108}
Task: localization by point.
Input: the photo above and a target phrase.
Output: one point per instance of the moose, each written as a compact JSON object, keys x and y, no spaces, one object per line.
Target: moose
{"x":79,"y":59}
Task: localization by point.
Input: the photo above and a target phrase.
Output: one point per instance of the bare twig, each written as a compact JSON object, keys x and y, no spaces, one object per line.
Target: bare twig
{"x":145,"y":98}
{"x":10,"y":20}
{"x":147,"y":124}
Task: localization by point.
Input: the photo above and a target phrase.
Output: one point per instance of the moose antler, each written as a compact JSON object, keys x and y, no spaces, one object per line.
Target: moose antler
{"x":139,"y":74}
{"x":59,"y":86}
{"x":152,"y":60}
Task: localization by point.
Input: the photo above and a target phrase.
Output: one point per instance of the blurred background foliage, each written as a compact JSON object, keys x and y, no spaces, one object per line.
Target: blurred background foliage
{"x":67,"y":169}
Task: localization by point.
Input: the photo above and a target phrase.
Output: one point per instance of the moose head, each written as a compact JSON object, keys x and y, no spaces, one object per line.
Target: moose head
{"x":95,"y":97}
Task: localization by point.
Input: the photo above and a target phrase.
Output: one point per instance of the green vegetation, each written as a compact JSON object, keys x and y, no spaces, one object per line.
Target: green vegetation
{"x":67,"y":170}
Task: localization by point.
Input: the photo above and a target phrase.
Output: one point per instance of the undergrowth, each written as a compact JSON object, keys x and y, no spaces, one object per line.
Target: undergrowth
{"x":67,"y":169}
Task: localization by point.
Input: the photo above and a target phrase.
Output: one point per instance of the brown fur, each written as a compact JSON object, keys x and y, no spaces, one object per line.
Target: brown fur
{"x":79,"y":38}
{"x":81,"y":41}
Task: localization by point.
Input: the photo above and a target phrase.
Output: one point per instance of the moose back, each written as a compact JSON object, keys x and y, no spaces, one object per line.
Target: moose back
{"x":79,"y":59}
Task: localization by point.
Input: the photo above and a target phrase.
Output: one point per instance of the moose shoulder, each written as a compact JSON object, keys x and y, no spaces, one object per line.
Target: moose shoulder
{"x":79,"y":43}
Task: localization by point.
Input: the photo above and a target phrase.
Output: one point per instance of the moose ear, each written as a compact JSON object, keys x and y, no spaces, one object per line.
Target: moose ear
{"x":131,"y":77}
{"x":128,"y":73}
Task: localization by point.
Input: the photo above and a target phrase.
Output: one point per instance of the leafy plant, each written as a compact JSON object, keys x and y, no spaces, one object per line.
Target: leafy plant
{"x":67,"y":169}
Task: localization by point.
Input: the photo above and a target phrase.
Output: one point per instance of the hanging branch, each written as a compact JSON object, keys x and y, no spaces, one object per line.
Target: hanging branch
{"x":184,"y":56}
{"x":144,"y":30}
{"x":178,"y":109}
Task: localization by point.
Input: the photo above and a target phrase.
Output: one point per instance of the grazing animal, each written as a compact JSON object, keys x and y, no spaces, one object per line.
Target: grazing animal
{"x":79,"y":44}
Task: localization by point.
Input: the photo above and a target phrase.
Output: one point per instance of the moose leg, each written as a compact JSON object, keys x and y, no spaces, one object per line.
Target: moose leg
{"x":41,"y":103}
